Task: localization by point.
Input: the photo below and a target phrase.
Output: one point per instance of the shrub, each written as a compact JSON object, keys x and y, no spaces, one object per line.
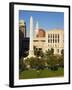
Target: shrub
{"x":22,"y":65}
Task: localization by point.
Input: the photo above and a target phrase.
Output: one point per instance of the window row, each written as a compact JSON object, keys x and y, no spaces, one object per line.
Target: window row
{"x":39,"y":40}
{"x":53,"y":35}
{"x":53,"y":40}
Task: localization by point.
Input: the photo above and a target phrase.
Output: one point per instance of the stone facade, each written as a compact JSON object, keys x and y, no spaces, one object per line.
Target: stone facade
{"x":53,"y":39}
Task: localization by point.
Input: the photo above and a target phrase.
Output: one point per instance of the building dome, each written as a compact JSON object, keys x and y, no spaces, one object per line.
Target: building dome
{"x":41,"y":33}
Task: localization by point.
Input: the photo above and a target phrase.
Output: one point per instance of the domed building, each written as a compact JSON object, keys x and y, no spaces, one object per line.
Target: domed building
{"x":48,"y":39}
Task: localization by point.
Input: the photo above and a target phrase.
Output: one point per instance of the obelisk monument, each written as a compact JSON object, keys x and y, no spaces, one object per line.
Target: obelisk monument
{"x":31,"y":51}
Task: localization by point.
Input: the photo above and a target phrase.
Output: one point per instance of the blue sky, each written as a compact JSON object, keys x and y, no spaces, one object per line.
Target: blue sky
{"x":46,"y":20}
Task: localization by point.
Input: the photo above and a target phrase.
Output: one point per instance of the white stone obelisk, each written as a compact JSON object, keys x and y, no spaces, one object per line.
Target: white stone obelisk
{"x":31,"y":52}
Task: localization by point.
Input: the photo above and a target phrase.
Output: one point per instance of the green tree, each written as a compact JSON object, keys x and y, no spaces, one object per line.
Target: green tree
{"x":61,"y":61}
{"x":38,"y":53}
{"x":50,"y":52}
{"x":51,"y":59}
{"x":61,"y":58}
{"x":35,"y":62}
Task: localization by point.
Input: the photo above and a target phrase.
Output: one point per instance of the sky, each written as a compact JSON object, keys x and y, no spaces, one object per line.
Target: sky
{"x":46,"y":20}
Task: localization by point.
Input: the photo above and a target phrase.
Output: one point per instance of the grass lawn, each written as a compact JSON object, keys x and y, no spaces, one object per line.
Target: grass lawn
{"x":29,"y":74}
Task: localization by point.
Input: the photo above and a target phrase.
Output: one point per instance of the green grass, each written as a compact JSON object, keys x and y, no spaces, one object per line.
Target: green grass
{"x":29,"y":74}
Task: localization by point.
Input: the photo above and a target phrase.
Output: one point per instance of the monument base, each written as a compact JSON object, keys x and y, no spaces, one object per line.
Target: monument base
{"x":31,"y":54}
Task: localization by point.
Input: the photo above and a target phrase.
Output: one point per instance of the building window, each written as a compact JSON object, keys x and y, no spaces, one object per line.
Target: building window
{"x":58,"y":38}
{"x":53,"y":40}
{"x":42,"y":40}
{"x":62,"y":51}
{"x":51,"y":35}
{"x":35,"y":40}
{"x":55,"y":35}
{"x":57,"y":50}
{"x":58,"y":35}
